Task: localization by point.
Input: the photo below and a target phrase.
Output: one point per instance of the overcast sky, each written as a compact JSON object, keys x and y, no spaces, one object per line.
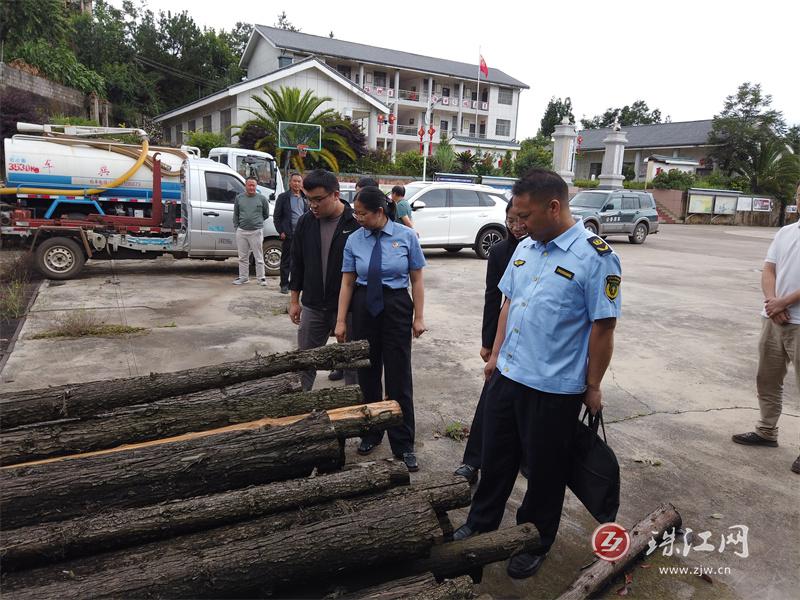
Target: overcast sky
{"x":682,"y":57}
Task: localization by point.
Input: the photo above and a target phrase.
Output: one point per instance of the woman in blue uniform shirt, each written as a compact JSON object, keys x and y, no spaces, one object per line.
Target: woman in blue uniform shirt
{"x":379,"y":261}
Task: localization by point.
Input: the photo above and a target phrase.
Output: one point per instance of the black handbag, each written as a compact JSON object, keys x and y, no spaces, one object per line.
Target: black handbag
{"x":594,"y":477}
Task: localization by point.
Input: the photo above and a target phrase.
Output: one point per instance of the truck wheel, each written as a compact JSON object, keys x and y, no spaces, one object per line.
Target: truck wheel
{"x":59,"y":258}
{"x":272,"y":257}
{"x":591,"y":227}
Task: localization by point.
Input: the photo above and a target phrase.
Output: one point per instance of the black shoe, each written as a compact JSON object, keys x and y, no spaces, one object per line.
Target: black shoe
{"x":796,"y":465}
{"x":411,"y":462}
{"x":284,"y":289}
{"x":463,"y":532}
{"x":336,"y":375}
{"x":365,"y":447}
{"x":468,"y":472}
{"x":524,"y":565}
{"x":751,"y":438}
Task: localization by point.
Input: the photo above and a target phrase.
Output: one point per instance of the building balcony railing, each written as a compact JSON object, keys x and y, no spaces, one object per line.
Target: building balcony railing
{"x":387,"y":94}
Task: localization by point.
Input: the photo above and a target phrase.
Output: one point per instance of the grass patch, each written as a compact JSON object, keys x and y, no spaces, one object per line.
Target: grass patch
{"x":14,"y":276}
{"x":455,"y":430}
{"x":83,"y":323}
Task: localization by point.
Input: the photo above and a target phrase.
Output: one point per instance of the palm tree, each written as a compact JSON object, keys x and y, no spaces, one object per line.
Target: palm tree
{"x":289,"y":104}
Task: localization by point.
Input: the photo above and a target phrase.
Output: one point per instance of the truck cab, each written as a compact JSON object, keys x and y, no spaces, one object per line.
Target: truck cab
{"x":208,"y":191}
{"x":251,"y":162}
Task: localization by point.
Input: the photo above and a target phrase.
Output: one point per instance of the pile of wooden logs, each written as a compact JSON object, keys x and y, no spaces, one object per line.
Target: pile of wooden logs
{"x":225,"y":481}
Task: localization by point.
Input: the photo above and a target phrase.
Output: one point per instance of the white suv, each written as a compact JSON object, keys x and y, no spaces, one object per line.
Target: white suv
{"x":457,"y":215}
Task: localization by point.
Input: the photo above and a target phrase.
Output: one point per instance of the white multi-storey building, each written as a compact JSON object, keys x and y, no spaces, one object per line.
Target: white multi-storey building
{"x":392,"y":94}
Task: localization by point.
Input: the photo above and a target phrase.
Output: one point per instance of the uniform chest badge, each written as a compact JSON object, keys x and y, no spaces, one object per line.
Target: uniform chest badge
{"x":612,"y":286}
{"x":395,"y":244}
{"x":564,"y":272}
{"x":519,"y":262}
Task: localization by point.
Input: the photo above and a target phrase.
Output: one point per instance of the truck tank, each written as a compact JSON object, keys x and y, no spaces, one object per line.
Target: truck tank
{"x":77,"y":164}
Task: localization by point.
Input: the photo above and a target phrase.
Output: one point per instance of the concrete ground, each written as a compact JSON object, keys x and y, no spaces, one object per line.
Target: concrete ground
{"x":681,"y":382}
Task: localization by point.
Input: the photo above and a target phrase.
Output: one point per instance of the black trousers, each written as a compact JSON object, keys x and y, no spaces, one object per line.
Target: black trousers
{"x":473,"y":451}
{"x":389,"y":336}
{"x":521,"y":421}
{"x":286,"y":260}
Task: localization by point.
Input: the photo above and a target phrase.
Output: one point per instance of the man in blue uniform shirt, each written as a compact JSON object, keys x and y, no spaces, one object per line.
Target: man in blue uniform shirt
{"x":555,"y":337}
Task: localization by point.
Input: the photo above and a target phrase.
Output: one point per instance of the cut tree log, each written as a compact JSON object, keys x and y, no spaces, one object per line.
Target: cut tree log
{"x":81,"y":400}
{"x":42,"y":544}
{"x":255,"y":566}
{"x":195,"y":465}
{"x":418,"y":587}
{"x":199,"y":411}
{"x":600,"y":574}
{"x":459,"y":558}
{"x":350,"y":421}
{"x":444,"y":492}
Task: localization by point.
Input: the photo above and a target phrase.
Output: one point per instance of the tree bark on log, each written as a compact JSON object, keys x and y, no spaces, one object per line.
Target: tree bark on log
{"x":257,"y":565}
{"x":42,"y":544}
{"x":72,"y":487}
{"x":459,"y":558}
{"x":417,"y":587}
{"x":350,"y":421}
{"x":81,"y":400}
{"x":600,"y":574}
{"x":444,"y":492}
{"x":199,"y":411}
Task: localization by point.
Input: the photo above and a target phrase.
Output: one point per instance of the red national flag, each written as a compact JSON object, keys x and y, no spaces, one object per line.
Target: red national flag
{"x":484,"y":69}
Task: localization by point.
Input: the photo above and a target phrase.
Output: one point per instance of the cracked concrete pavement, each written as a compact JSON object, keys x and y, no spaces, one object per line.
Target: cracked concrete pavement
{"x":681,"y":382}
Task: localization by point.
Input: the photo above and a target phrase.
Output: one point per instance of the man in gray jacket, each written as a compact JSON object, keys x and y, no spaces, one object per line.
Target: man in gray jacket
{"x":250,"y":210}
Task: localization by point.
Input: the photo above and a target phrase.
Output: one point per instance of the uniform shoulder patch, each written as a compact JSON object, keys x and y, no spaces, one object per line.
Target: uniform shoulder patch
{"x":612,"y":286}
{"x":599,"y":244}
{"x":519,"y":262}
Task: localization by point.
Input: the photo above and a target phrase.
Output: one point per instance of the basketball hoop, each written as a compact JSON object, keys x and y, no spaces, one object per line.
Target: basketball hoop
{"x":302,"y":149}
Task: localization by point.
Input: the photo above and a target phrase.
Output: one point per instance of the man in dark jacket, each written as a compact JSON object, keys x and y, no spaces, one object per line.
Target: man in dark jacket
{"x":289,"y":207}
{"x":499,"y":258}
{"x":316,"y":266}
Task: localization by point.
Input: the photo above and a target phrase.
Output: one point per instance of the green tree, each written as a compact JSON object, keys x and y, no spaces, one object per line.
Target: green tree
{"x":29,"y":20}
{"x":465,"y":162}
{"x":555,"y":112}
{"x":533,"y":153}
{"x":445,"y":155}
{"x":750,"y":140}
{"x":793,"y":138}
{"x":409,"y":163}
{"x":673,"y":179}
{"x":637,"y":113}
{"x":289,"y":104}
{"x":205,"y":140}
{"x":484,"y":164}
{"x":284,"y":23}
{"x":507,"y":168}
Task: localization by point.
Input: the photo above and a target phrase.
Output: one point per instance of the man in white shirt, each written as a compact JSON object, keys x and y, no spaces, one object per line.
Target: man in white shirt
{"x":780,"y":334}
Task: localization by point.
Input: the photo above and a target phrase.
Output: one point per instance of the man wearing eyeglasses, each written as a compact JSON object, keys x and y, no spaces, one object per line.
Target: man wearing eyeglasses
{"x":316,"y":265}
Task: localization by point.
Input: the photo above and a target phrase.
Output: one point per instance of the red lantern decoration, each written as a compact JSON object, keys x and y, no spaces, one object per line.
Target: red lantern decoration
{"x":391,"y":118}
{"x":421,"y":133}
{"x":431,"y":131}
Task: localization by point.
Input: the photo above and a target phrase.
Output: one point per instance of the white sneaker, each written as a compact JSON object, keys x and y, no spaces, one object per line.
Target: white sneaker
{"x":241,"y":280}
{"x":263,"y":281}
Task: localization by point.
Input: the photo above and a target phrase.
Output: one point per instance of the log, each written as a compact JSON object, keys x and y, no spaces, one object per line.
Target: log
{"x":459,"y":558}
{"x":418,"y":587}
{"x":444,"y":492}
{"x":255,"y":566}
{"x":199,"y":411}
{"x":81,"y":400}
{"x":72,"y":487}
{"x":41,"y":544}
{"x":350,"y":421}
{"x":600,"y":574}
{"x":460,"y":588}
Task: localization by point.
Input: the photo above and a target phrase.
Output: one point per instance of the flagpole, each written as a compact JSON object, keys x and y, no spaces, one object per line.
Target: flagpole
{"x":478,"y":96}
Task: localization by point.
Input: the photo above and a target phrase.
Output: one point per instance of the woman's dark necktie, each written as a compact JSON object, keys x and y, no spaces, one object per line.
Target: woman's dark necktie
{"x":374,"y":287}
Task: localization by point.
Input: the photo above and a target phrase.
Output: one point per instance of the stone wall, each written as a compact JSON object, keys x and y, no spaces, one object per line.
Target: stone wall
{"x":50,"y":98}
